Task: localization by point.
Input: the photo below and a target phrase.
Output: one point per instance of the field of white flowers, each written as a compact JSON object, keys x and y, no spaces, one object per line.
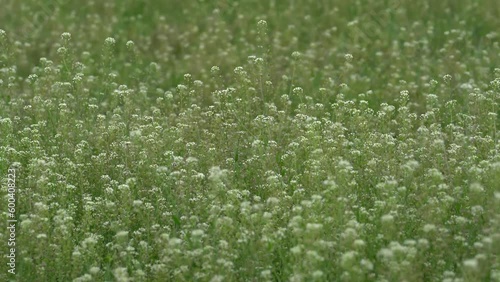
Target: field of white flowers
{"x":250,"y":140}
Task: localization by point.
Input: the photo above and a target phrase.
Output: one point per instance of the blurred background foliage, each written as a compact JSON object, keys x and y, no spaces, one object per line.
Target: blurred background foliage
{"x":391,"y":40}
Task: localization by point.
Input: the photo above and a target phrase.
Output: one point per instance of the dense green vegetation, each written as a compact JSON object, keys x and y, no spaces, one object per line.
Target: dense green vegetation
{"x":251,"y":140}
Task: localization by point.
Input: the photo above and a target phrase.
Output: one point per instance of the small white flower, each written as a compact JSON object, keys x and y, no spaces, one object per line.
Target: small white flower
{"x":130,"y":44}
{"x":385,"y":253}
{"x":110,"y":41}
{"x":265,"y":274}
{"x":62,"y":51}
{"x":314,"y":226}
{"x":359,"y":243}
{"x":121,"y":235}
{"x":429,"y":228}
{"x":272,"y":201}
{"x":41,"y":236}
{"x":217,"y":278}
{"x":216,"y":174}
{"x":471,"y":264}
{"x":262,"y":24}
{"x":348,"y":259}
{"x":66,"y":36}
{"x":191,"y":160}
{"x":94,"y":270}
{"x":174,"y":242}
{"x":215,"y":70}
{"x":135,"y":133}
{"x":367,"y":264}
{"x":476,"y":188}
{"x":317,"y":274}
{"x":298,"y":91}
{"x":197,"y":233}
{"x":121,"y":274}
{"x":26,"y":223}
{"x":387,"y":218}
{"x":296,"y":250}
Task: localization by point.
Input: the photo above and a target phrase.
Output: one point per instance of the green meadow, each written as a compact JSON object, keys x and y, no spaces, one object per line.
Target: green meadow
{"x":250,"y":140}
